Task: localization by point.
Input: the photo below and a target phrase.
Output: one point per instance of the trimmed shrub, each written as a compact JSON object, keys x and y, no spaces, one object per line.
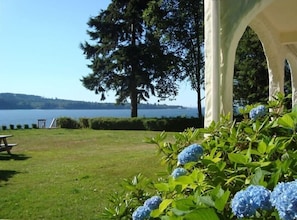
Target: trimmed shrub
{"x":34,"y":126}
{"x":181,"y":123}
{"x":154,"y":124}
{"x":128,"y":124}
{"x":4,"y":127}
{"x":19,"y":126}
{"x":11,"y":126}
{"x":65,"y":122}
{"x":26,"y":126}
{"x":84,"y":122}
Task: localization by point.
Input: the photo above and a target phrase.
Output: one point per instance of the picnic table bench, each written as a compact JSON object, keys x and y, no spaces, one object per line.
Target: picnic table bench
{"x":4,"y":145}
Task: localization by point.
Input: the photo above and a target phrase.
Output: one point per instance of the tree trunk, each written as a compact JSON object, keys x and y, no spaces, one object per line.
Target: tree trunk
{"x":133,"y":85}
{"x":198,"y":89}
{"x":133,"y":97}
{"x":199,"y":107}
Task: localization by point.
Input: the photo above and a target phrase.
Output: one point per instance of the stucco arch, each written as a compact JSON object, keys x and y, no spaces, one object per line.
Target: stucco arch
{"x":224,"y":26}
{"x":236,"y":21}
{"x":291,"y":56}
{"x":274,"y":51}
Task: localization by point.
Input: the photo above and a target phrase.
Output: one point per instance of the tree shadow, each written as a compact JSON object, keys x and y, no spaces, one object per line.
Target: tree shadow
{"x":5,"y":175}
{"x":13,"y":157}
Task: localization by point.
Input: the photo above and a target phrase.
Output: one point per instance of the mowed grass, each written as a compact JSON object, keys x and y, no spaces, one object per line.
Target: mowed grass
{"x":69,"y":174}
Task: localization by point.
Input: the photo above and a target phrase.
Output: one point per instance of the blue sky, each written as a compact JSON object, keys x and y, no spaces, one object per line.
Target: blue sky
{"x":40,"y":54}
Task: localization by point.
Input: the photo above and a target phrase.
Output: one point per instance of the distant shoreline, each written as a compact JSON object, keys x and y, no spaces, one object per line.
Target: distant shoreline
{"x":169,"y":108}
{"x":30,"y":116}
{"x":12,"y":101}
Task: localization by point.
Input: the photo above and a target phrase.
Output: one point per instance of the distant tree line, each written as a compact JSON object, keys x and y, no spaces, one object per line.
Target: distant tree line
{"x":22,"y":101}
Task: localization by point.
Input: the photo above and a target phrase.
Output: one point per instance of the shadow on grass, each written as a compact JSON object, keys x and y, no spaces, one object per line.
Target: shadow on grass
{"x":5,"y":175}
{"x":13,"y":157}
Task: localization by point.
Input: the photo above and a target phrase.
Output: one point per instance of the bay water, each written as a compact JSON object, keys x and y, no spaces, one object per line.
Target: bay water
{"x":31,"y":116}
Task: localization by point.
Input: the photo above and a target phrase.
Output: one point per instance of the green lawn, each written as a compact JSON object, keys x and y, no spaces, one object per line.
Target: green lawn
{"x":69,"y":174}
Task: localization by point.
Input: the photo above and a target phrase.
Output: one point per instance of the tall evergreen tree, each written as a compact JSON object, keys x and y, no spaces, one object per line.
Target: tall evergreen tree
{"x":250,"y":71}
{"x":288,"y":85}
{"x":180,"y":24}
{"x":126,"y":57}
{"x":251,"y":83}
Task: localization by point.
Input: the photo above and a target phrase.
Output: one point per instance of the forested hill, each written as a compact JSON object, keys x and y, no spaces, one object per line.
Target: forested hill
{"x":21,"y":101}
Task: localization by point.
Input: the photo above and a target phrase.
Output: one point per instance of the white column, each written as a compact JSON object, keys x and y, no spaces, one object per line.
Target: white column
{"x":212,"y":61}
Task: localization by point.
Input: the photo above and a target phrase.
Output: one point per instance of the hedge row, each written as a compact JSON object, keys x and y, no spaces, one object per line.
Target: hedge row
{"x":153,"y":124}
{"x":18,"y":126}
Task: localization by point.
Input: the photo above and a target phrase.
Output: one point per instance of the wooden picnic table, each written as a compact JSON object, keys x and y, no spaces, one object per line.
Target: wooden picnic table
{"x":4,"y":145}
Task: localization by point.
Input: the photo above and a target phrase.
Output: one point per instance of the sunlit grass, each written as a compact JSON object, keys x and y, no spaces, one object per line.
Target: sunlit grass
{"x":69,"y":174}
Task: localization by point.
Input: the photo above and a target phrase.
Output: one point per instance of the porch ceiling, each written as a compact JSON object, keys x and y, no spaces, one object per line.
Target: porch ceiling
{"x":283,"y":17}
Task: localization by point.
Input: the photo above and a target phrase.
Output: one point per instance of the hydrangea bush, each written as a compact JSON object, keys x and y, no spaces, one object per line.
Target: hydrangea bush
{"x":231,"y":170}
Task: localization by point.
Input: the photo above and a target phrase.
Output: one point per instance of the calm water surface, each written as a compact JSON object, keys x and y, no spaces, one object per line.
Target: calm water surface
{"x":31,"y":116}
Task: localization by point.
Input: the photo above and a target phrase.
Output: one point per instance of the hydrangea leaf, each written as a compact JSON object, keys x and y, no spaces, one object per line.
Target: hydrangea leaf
{"x":262,"y":146}
{"x":257,"y":177}
{"x":156,"y":213}
{"x":184,"y":204}
{"x":237,"y":158}
{"x":204,"y":213}
{"x":163,"y":187}
{"x":178,"y":212}
{"x":220,"y":202}
{"x":286,"y":121}
{"x":164,"y":204}
{"x":185,"y":180}
{"x":207,"y":200}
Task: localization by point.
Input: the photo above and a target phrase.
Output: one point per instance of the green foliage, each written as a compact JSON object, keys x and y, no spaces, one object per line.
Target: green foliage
{"x":261,"y":151}
{"x":126,"y":57}
{"x":65,"y":122}
{"x":84,"y":122}
{"x":180,"y":26}
{"x":116,"y":124}
{"x":133,"y":194}
{"x":152,"y":124}
{"x":250,"y":71}
{"x":4,"y":127}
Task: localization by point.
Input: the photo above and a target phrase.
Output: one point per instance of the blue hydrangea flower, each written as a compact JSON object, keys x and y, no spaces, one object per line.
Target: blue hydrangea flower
{"x":246,"y":202}
{"x":240,"y":205}
{"x":284,"y":199}
{"x":257,"y":112}
{"x":190,"y":154}
{"x":153,"y":202}
{"x":260,"y":196}
{"x":141,"y":213}
{"x":177,"y":172}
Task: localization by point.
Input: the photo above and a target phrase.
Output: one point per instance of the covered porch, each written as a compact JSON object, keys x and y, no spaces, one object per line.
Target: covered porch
{"x":274,"y":21}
